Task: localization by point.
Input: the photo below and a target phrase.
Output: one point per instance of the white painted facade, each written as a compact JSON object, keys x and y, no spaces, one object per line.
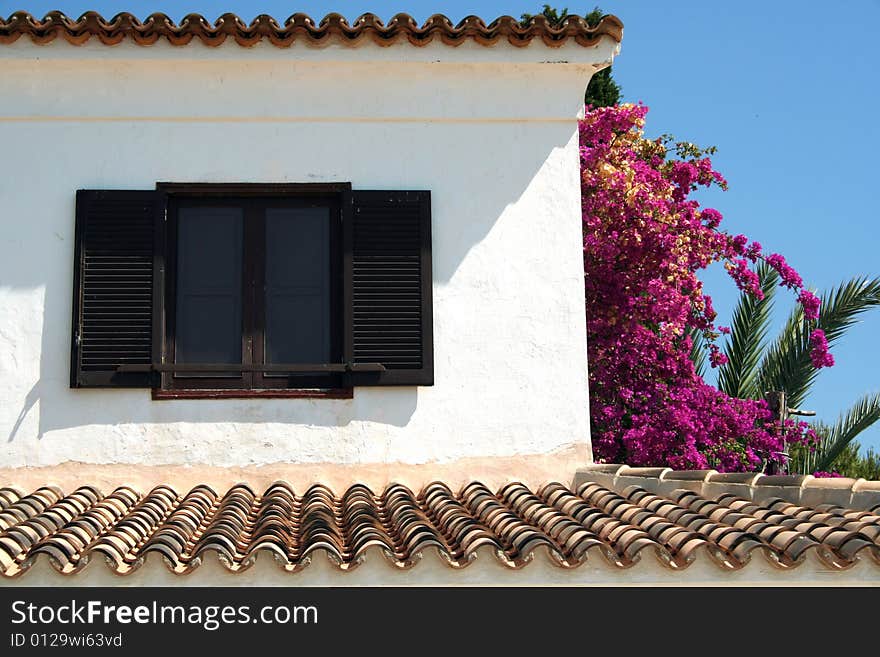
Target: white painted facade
{"x":490,"y":131}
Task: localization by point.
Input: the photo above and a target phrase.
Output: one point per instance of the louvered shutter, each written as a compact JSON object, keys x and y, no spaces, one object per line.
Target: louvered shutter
{"x":387,"y":279}
{"x":117,"y":287}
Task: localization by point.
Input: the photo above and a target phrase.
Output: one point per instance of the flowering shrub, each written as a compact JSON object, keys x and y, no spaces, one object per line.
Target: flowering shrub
{"x":645,"y":240}
{"x":819,"y":353}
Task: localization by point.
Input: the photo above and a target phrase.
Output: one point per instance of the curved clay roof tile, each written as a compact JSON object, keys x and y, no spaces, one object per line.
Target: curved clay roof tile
{"x":333,"y":28}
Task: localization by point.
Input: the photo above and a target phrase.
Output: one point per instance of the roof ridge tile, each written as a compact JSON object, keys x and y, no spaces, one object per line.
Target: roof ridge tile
{"x":515,"y":524}
{"x":333,"y":27}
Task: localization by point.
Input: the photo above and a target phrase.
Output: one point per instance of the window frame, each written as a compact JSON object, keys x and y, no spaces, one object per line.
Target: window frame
{"x":118,"y":314}
{"x":253,"y":198}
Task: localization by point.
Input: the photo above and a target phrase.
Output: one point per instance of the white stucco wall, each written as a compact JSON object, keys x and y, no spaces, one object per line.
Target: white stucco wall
{"x":490,"y":131}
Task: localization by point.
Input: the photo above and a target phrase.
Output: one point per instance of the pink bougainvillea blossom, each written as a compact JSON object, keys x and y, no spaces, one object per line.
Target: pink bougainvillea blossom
{"x":790,"y":278}
{"x":645,"y":240}
{"x":810,"y":303}
{"x":819,"y":355}
{"x":746,"y":279}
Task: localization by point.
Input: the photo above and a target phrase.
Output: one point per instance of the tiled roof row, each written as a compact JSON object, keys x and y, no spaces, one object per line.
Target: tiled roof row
{"x":333,"y":28}
{"x":516,"y":523}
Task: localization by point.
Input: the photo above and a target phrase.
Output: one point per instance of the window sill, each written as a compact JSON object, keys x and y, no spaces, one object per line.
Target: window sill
{"x":331,"y":393}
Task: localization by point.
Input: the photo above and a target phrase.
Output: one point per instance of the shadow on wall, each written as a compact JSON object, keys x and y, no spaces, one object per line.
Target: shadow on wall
{"x":461,"y":220}
{"x":135,"y":407}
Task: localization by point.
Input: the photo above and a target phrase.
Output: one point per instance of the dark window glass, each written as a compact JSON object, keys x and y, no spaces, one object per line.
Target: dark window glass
{"x":298,"y":285}
{"x":209,"y":285}
{"x":256,"y":282}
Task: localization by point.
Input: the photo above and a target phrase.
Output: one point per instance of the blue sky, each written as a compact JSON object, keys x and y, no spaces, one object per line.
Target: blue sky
{"x":788,"y":92}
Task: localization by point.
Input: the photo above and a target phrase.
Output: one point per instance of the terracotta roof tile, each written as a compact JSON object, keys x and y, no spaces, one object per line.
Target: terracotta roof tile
{"x":514,"y":523}
{"x":333,"y":28}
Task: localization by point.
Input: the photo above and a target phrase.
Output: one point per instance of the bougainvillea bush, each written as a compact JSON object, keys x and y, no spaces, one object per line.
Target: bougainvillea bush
{"x":645,"y":241}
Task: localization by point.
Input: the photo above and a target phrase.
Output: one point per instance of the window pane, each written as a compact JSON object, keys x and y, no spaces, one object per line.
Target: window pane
{"x":209,"y":256}
{"x":297,"y":285}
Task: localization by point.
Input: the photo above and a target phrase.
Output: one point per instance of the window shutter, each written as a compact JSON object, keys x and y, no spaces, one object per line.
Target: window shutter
{"x":118,"y":268}
{"x":387,"y":279}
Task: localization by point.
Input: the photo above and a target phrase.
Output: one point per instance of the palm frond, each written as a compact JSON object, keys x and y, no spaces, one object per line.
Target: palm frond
{"x":862,"y":414}
{"x":850,"y":462}
{"x":786,"y":364}
{"x":698,"y":351}
{"x":748,"y":334}
{"x":803,"y":459}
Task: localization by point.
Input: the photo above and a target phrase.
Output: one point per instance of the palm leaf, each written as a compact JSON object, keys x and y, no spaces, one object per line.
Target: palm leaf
{"x":748,"y":334}
{"x":864,"y":413}
{"x":698,"y":351}
{"x":803,"y":460}
{"x":786,"y":364}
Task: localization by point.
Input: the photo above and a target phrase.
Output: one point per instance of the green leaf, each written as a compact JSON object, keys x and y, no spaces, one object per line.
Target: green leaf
{"x":851,"y":463}
{"x":747,"y":340}
{"x":602,"y":90}
{"x":786,"y":364}
{"x":698,"y":351}
{"x":864,"y":413}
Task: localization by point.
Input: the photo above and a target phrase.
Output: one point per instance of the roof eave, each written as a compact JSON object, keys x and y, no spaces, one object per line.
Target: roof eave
{"x":333,"y":28}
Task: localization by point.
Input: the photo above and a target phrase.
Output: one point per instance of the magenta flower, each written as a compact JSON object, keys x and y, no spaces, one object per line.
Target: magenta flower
{"x":745,"y":279}
{"x":822,"y":474}
{"x":711,"y":217}
{"x":739,"y":243}
{"x":645,"y":241}
{"x":790,"y":278}
{"x":716,"y":358}
{"x":819,"y":355}
{"x":753,"y":252}
{"x":810,"y":303}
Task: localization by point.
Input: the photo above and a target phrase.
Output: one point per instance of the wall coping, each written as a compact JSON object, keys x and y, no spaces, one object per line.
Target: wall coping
{"x":806,"y":490}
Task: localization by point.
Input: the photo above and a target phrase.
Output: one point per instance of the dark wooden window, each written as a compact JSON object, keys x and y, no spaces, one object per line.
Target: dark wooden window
{"x":256,"y":281}
{"x":252,"y":289}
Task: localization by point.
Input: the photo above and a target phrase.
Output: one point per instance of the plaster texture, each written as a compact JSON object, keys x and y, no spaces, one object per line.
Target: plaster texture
{"x":534,"y":470}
